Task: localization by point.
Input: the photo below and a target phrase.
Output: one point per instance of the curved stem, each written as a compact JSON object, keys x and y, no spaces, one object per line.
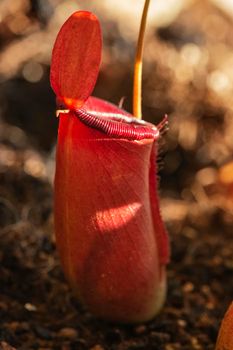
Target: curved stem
{"x":137,"y":87}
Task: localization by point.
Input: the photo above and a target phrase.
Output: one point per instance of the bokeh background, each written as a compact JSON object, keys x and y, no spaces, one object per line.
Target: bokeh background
{"x":188,"y":74}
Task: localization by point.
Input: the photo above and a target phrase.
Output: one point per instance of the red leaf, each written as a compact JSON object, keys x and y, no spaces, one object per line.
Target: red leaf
{"x":76,"y":59}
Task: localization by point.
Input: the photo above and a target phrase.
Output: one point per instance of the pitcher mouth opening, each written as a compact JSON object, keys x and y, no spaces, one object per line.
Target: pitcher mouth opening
{"x":119,"y":125}
{"x":116,"y":122}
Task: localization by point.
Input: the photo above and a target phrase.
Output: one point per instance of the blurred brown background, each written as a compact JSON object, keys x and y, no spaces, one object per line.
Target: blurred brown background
{"x":188,"y":74}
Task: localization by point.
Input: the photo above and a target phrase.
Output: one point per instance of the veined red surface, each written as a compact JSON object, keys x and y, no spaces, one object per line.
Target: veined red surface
{"x":108,"y":226}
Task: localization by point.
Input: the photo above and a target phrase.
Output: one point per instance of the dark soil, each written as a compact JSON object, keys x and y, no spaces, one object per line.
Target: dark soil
{"x":38,"y":310}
